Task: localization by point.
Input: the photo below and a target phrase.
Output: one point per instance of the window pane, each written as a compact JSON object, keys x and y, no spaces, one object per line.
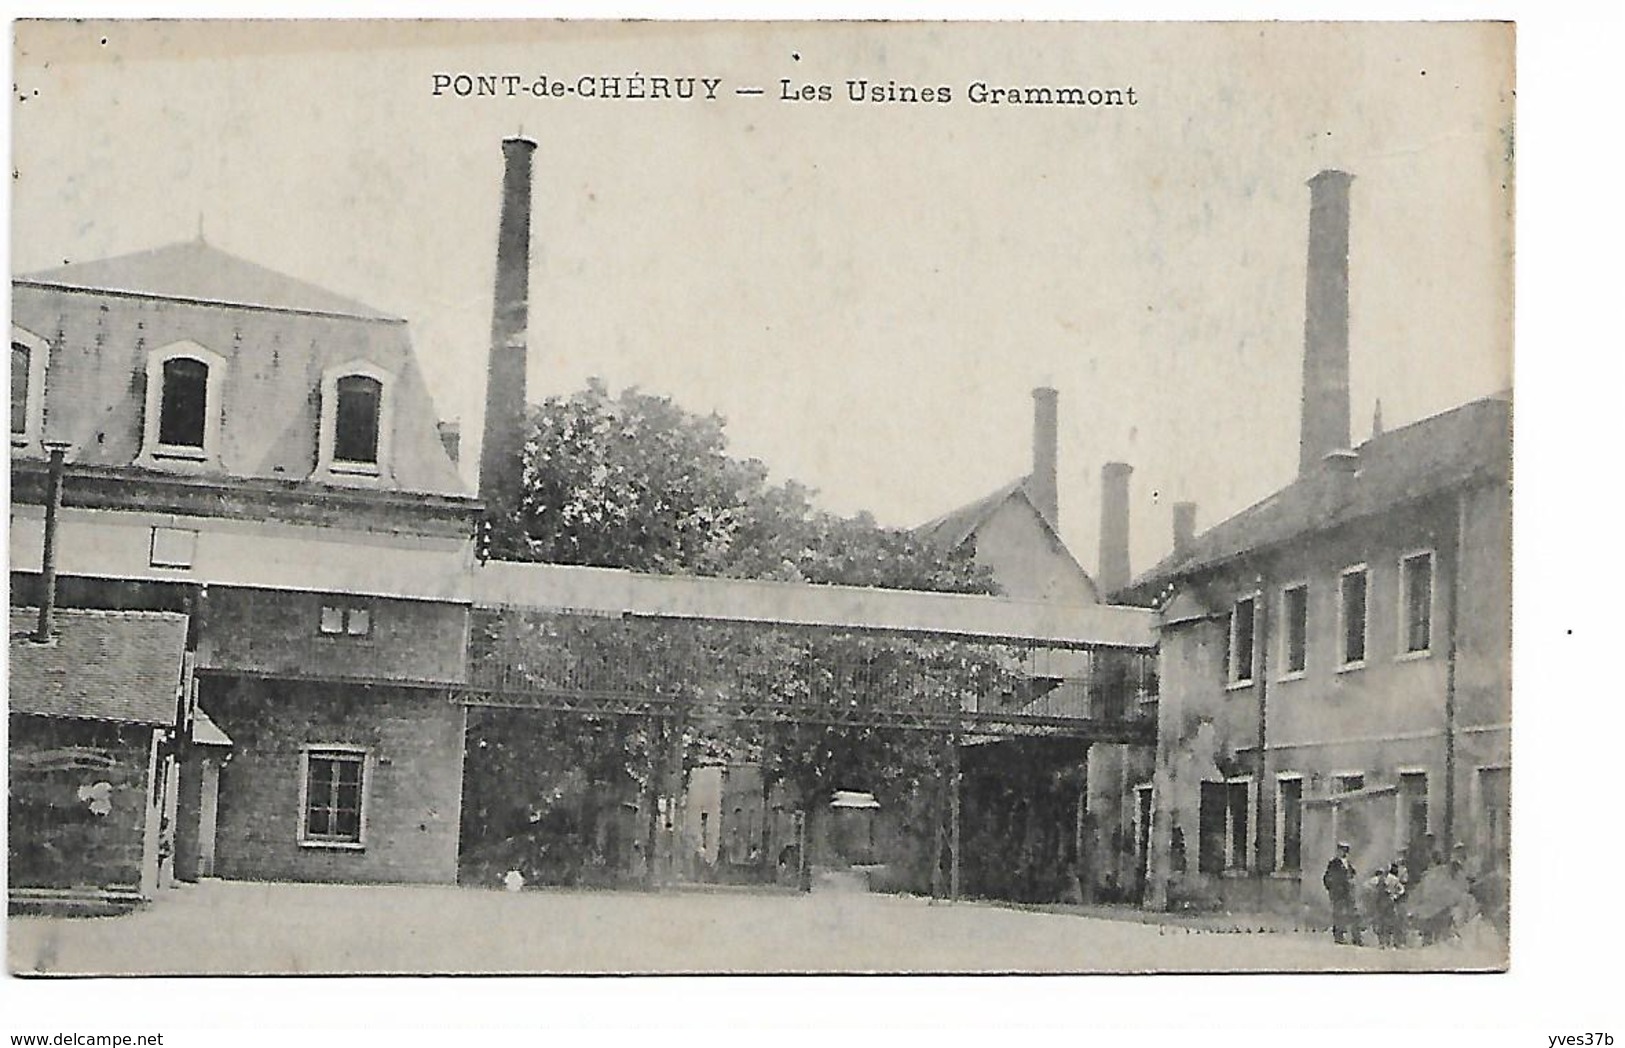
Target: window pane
{"x":1238,"y":824}
{"x":1291,"y":824}
{"x":332,"y":619}
{"x":1418,"y":603}
{"x":184,"y":402}
{"x":1210,"y":819}
{"x":1354,"y":617}
{"x":1295,"y":613}
{"x":356,"y":421}
{"x":1242,"y":646}
{"x":360,"y":622}
{"x":347,"y":824}
{"x":19,"y":388}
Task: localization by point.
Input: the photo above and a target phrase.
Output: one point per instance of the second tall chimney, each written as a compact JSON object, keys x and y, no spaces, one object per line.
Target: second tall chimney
{"x":1114,"y":566}
{"x":1325,"y":424}
{"x":1044,"y":487}
{"x":502,"y":450}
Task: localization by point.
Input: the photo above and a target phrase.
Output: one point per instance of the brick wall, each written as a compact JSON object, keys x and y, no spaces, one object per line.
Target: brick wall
{"x":77,"y":803}
{"x":413,"y":740}
{"x":278,"y":632}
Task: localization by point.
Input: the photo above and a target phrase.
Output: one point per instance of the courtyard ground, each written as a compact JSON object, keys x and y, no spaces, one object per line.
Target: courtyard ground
{"x":225,"y":927}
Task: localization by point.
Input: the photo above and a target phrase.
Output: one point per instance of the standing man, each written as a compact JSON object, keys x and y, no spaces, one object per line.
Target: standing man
{"x":1339,"y":882}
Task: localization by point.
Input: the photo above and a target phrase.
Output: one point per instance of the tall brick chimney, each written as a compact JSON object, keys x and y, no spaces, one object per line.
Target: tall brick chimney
{"x":1325,"y":425}
{"x":1114,"y":567}
{"x":1184,"y":527}
{"x":501,"y":452}
{"x":1044,"y":486}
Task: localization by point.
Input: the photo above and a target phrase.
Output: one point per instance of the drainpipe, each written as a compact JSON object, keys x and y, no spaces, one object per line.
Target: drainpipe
{"x":1453,"y":593}
{"x":1261,"y":659}
{"x":58,"y":449}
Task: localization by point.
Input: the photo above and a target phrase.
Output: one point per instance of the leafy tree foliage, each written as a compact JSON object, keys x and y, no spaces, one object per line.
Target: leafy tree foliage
{"x":634,"y":481}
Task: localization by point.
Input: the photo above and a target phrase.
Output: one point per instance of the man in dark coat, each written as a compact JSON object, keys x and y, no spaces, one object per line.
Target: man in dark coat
{"x":1339,"y":882}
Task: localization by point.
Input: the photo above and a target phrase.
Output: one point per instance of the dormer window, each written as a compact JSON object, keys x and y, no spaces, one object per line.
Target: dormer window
{"x":182,"y":420}
{"x":29,"y":354}
{"x":355,"y":436}
{"x":184,"y":403}
{"x":355,"y":421}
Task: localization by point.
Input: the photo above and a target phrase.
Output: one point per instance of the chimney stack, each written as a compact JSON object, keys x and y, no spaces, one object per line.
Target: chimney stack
{"x":502,"y":451}
{"x":1325,"y":423}
{"x":1184,"y":527}
{"x":1114,"y":567}
{"x":1044,"y":486}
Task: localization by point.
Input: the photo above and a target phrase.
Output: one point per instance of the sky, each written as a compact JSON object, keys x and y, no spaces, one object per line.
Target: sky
{"x":867,"y":292}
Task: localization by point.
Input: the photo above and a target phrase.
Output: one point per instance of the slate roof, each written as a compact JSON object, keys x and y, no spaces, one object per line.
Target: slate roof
{"x":951,"y":529}
{"x":199,"y":271}
{"x":122,"y":666}
{"x":1465,"y":445}
{"x":278,"y":335}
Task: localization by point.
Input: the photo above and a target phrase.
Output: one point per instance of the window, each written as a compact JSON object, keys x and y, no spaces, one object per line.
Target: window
{"x":1289,"y":823}
{"x":1413,"y":812}
{"x":356,"y":432}
{"x":1495,"y":813}
{"x":181,"y":427}
{"x":333,"y":796}
{"x":1352,"y":605}
{"x":353,"y":441}
{"x":345,"y":620}
{"x":1349,"y":782}
{"x":1224,"y":817}
{"x":29,"y":355}
{"x":1243,"y":619}
{"x":21,"y":356}
{"x":183,"y":403}
{"x":1416,"y":603}
{"x":1294,"y":630}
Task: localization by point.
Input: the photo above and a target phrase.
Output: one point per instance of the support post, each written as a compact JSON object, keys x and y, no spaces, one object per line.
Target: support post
{"x":651,"y":802}
{"x":953,"y":815}
{"x":676,"y":809}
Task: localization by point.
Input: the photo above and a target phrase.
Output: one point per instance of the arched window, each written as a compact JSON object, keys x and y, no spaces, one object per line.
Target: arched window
{"x":353,"y":437}
{"x":19,"y":388}
{"x":29,"y":356}
{"x":355,"y":431}
{"x":184,"y":403}
{"x":180,"y":427}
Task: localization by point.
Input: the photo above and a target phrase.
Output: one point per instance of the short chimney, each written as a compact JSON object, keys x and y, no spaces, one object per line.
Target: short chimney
{"x":1114,"y":566}
{"x":1344,"y":462}
{"x":1184,"y":527}
{"x":1044,"y":486}
{"x":501,"y":453}
{"x":1325,"y":420}
{"x":451,"y":438}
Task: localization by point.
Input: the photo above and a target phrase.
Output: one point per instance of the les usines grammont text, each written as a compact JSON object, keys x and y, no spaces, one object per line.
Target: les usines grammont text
{"x":640,"y":88}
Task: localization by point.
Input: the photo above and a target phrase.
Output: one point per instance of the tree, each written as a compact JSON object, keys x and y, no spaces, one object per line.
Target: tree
{"x":634,"y":481}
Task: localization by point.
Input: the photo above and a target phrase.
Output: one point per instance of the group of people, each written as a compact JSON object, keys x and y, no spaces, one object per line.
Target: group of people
{"x":1434,"y":902}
